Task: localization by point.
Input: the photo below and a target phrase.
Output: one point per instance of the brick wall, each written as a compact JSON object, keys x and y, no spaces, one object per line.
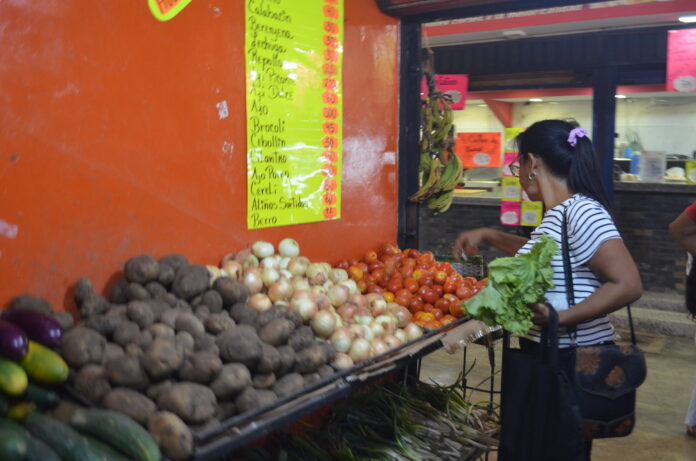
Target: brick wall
{"x":642,"y":218}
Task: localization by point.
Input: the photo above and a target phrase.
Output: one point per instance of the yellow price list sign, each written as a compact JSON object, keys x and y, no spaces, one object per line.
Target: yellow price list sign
{"x":294,"y":109}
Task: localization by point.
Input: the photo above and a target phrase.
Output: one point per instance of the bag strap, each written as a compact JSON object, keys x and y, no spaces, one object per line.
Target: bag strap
{"x":570,"y":289}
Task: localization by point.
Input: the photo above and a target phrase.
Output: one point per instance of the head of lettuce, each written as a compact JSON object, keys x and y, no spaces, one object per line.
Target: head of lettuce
{"x":513,"y":284}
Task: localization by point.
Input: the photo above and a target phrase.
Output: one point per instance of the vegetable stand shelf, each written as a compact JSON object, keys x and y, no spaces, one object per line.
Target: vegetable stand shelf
{"x":241,"y":430}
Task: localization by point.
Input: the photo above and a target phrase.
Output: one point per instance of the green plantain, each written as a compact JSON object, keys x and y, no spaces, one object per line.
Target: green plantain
{"x":428,"y":188}
{"x":452,"y":173}
{"x":441,"y":203}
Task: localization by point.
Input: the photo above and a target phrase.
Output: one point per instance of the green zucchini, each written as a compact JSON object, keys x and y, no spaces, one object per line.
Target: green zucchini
{"x":13,"y":380}
{"x":119,"y":431}
{"x":13,"y":445}
{"x":36,"y":449}
{"x":41,"y":395}
{"x":64,"y":440}
{"x":107,"y":452}
{"x":43,"y":365}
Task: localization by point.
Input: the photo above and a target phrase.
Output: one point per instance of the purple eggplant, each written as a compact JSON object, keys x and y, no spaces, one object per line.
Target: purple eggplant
{"x":13,"y":341}
{"x":38,"y":326}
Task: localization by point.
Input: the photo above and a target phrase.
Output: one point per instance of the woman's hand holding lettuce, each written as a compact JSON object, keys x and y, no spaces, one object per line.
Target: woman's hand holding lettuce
{"x":513,"y":284}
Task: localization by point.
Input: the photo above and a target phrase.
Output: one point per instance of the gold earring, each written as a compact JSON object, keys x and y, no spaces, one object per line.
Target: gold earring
{"x":532,"y":176}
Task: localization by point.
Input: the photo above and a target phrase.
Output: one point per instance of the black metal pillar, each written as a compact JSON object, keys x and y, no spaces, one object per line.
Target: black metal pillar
{"x":409,"y":133}
{"x":604,"y":81}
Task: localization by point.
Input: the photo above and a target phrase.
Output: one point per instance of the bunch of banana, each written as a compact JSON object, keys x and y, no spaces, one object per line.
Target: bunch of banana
{"x":440,"y":169}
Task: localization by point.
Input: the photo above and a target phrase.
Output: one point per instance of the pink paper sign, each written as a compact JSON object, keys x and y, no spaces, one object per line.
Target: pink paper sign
{"x":454,"y":85}
{"x":510,"y":213}
{"x":681,"y":60}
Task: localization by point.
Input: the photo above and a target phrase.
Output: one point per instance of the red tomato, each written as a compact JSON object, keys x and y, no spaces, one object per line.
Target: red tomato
{"x":411,"y":284}
{"x":438,"y":290}
{"x":388,"y":296}
{"x":438,"y":314}
{"x":463,"y":291}
{"x":422,"y":316}
{"x":389,"y":249}
{"x":362,"y":286}
{"x":440,"y":277}
{"x":369,"y":278}
{"x":429,"y":308}
{"x":363,"y":267}
{"x":408,"y":262}
{"x":449,"y":286}
{"x":417,"y":274}
{"x":394,"y":286}
{"x":442,"y":305}
{"x":375,"y":289}
{"x":356,"y":273}
{"x":411,"y":253}
{"x":378,"y":275}
{"x":406,"y":271}
{"x":370,"y":256}
{"x":429,"y":296}
{"x":416,"y":304}
{"x":427,"y":281}
{"x":375,"y":265}
{"x":426,"y":258}
{"x":456,"y":310}
{"x":447,"y":319}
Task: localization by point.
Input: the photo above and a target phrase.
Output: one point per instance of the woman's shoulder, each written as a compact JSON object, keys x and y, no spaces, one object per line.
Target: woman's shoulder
{"x":581,"y":205}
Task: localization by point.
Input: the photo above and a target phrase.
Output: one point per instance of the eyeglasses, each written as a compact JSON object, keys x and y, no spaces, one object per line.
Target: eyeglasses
{"x":514,"y":169}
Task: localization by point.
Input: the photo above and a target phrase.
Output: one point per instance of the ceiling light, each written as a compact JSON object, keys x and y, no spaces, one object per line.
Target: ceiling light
{"x":687,"y":19}
{"x":536,"y":100}
{"x":620,"y":96}
{"x":482,"y":105}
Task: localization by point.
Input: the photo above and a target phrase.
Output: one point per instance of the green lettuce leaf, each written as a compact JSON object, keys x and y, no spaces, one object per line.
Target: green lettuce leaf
{"x":513,"y":284}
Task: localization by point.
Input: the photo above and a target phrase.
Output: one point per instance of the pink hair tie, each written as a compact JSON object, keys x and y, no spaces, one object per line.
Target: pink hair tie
{"x":576,"y":133}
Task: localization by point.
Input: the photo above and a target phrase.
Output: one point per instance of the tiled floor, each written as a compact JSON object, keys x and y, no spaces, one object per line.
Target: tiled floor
{"x":662,"y":399}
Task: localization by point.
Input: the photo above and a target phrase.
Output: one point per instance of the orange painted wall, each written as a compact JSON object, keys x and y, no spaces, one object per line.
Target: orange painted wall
{"x":111,"y":144}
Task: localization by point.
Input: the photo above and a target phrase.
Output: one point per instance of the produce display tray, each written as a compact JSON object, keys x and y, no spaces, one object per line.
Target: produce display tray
{"x":241,"y":430}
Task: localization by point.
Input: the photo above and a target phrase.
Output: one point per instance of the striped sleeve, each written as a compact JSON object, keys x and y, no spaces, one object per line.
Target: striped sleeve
{"x":589,"y":226}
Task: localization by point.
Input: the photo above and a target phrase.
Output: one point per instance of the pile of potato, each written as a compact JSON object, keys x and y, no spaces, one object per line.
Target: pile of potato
{"x":174,"y":347}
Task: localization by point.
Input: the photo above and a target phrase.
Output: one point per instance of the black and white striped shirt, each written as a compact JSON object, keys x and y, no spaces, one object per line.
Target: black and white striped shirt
{"x":589,"y":226}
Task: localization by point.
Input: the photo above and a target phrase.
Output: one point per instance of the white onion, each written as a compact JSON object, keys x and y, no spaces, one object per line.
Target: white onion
{"x":336,"y":275}
{"x":359,"y":350}
{"x":288,"y":248}
{"x":233,"y":269}
{"x":269,"y":276}
{"x":377,"y":347}
{"x":250,"y":261}
{"x":377,"y":328}
{"x":262,"y":249}
{"x":361,"y":331}
{"x":357,"y":299}
{"x":403,"y":315}
{"x":269,"y":262}
{"x":299,"y":283}
{"x":322,"y":301}
{"x":377,"y":304}
{"x":324,"y":323}
{"x":388,"y":322}
{"x":392,"y":341}
{"x":283,"y":303}
{"x":401,"y":336}
{"x":284,"y":273}
{"x":341,"y":339}
{"x":284,"y":263}
{"x":338,"y":295}
{"x":303,"y":303}
{"x":280,"y":290}
{"x":317,"y":289}
{"x":260,"y":302}
{"x":228,"y":257}
{"x":243,"y":255}
{"x":346,"y":311}
{"x":252,"y":280}
{"x":342,"y":361}
{"x":362,"y":315}
{"x":316,"y":273}
{"x":351,"y":285}
{"x":298,"y":265}
{"x":413,"y":331}
{"x":215,"y":273}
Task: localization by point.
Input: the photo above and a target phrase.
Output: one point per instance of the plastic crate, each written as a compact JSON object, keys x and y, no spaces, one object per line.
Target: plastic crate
{"x":467,"y":269}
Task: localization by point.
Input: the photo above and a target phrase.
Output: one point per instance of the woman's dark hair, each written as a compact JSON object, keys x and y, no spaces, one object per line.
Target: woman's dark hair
{"x":579,"y":165}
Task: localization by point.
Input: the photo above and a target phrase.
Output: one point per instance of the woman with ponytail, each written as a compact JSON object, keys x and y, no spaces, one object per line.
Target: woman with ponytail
{"x":558,"y":166}
{"x":683,"y":229}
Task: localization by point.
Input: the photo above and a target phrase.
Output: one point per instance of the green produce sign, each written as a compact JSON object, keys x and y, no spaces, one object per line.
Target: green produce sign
{"x":294,"y":53}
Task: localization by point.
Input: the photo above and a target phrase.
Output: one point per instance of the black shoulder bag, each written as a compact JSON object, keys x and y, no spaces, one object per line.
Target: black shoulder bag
{"x":606,"y":376}
{"x":540,"y":418}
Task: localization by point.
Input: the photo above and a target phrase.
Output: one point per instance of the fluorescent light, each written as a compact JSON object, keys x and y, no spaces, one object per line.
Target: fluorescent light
{"x":687,"y":19}
{"x":535,"y":100}
{"x":620,"y":96}
{"x":482,"y":105}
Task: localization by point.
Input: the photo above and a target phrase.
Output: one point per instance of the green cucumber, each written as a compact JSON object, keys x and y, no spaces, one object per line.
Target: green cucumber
{"x":41,"y":395}
{"x":64,"y":440}
{"x":119,"y":431}
{"x":20,"y":410}
{"x":36,"y":449}
{"x":13,"y":380}
{"x":13,"y":445}
{"x":107,"y":452}
{"x":44,"y":365}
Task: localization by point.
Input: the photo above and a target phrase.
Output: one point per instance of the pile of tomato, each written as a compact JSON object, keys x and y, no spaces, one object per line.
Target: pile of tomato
{"x":433,"y":291}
